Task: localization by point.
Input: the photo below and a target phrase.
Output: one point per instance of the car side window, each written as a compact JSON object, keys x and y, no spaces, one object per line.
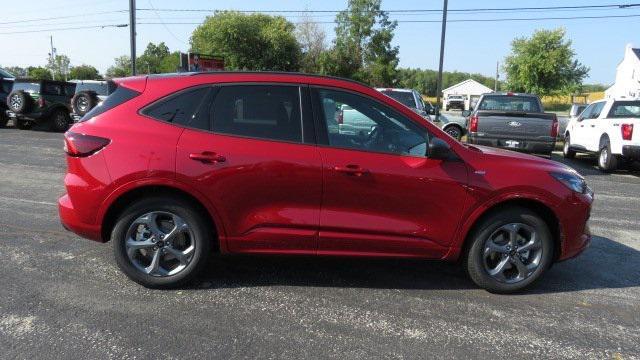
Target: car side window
{"x":188,"y":108}
{"x":597,"y":109}
{"x":270,"y":112}
{"x":356,"y":122}
{"x":586,"y":113}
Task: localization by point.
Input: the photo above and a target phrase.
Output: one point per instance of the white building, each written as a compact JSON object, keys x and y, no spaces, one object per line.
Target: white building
{"x":471,"y":90}
{"x":627,"y":83}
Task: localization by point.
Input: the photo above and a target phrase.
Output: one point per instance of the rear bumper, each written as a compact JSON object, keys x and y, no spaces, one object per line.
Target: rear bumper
{"x":631,"y":151}
{"x":70,"y":220}
{"x":531,"y":146}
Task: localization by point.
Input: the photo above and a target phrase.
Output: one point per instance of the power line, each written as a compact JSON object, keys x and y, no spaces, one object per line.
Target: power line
{"x":65,"y":17}
{"x":67,"y":28}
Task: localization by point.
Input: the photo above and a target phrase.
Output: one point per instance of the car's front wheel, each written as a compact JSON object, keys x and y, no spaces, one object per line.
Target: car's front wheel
{"x":509,"y":250}
{"x":566,"y":149}
{"x":161,"y":242}
{"x":60,"y":120}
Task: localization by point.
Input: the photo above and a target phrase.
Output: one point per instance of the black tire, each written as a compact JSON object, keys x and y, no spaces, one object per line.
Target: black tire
{"x":4,"y":119}
{"x":83,"y":102}
{"x":566,"y":149}
{"x":23,"y":124}
{"x":60,"y":120}
{"x":202,"y":239}
{"x":474,"y":257}
{"x":19,"y":102}
{"x":454,"y":131}
{"x":607,"y":161}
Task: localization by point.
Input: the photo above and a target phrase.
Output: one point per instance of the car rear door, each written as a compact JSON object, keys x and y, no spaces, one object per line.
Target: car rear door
{"x":382,"y":195}
{"x":259,"y":167}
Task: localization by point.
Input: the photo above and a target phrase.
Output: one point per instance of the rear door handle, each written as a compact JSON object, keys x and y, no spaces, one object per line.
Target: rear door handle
{"x":207,"y":157}
{"x":354,"y":170}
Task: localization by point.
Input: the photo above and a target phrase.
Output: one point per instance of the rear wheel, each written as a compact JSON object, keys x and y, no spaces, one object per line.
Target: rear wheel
{"x":510,"y":250}
{"x":566,"y":149}
{"x":454,"y":131}
{"x":606,"y":160}
{"x":60,"y":120}
{"x":161,"y":242}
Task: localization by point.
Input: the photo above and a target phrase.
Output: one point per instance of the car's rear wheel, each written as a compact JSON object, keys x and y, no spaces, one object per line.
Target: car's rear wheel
{"x":454,"y":131}
{"x":509,"y":250}
{"x":161,"y":242}
{"x":60,"y":120}
{"x":606,"y":160}
{"x":566,"y":149}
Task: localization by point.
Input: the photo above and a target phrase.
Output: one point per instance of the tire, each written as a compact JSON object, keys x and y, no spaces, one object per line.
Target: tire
{"x":455,"y":132}
{"x":23,"y":124}
{"x":197,"y":236}
{"x":566,"y":149}
{"x":536,"y":260}
{"x":60,"y":120}
{"x":83,"y":102}
{"x":4,"y":119}
{"x":19,"y":102}
{"x":607,"y":161}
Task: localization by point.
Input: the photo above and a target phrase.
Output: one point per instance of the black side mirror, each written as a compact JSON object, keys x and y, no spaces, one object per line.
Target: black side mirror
{"x":439,"y":149}
{"x":466,"y":113}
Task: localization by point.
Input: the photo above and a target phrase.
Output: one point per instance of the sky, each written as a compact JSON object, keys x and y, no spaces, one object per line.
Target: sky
{"x":470,"y":46}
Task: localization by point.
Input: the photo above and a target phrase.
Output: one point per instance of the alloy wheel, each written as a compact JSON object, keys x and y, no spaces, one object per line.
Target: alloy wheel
{"x":454,"y":133}
{"x":603,"y":158}
{"x":83,"y":103}
{"x":512,"y":253}
{"x":160,"y":244}
{"x":16,"y":102}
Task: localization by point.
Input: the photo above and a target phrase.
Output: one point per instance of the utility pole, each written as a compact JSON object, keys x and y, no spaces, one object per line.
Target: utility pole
{"x":442,"y":37}
{"x":132,"y":34}
{"x":495,"y":86}
{"x":52,"y":58}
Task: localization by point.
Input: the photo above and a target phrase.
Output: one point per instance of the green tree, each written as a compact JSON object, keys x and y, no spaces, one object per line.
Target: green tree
{"x":362,"y":48}
{"x":544,"y":64}
{"x":84,"y":72}
{"x":249,"y":41}
{"x":17,"y":71}
{"x":121,"y":68}
{"x":38,"y":72}
{"x":150,"y":61}
{"x":170,"y":63}
{"x":312,"y":39}
{"x":59,"y":66}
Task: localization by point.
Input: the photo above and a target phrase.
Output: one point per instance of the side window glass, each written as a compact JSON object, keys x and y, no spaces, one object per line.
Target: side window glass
{"x":597,"y":109}
{"x":586,"y":113}
{"x":258,"y":111}
{"x":360,"y":123}
{"x":186,"y":108}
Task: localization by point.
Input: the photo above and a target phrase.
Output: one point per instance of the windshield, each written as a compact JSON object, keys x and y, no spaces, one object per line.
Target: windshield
{"x":510,"y":103}
{"x":625,"y":109}
{"x":30,"y":87}
{"x":404,"y":97}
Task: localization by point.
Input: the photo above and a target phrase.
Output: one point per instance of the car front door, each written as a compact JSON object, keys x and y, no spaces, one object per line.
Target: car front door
{"x":590,"y":132}
{"x":577,"y":131}
{"x":257,"y":168}
{"x":382,"y":195}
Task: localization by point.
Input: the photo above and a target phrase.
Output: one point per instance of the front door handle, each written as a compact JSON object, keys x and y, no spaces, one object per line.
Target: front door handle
{"x":354,"y":170}
{"x":207,"y":157}
{"x":593,"y":126}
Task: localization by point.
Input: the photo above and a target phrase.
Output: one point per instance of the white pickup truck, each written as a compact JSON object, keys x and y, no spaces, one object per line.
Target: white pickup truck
{"x":606,"y":127}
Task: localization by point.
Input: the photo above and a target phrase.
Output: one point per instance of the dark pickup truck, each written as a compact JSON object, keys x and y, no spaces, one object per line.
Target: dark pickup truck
{"x":513,"y":121}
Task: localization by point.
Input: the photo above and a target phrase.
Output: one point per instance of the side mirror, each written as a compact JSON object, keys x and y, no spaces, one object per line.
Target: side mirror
{"x":466,"y":113}
{"x":439,"y":149}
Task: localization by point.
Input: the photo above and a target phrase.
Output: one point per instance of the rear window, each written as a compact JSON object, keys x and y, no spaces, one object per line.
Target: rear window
{"x":31,"y":87}
{"x":119,"y":96}
{"x":404,"y":97}
{"x":510,"y":103}
{"x":625,"y":109}
{"x":98,"y":88}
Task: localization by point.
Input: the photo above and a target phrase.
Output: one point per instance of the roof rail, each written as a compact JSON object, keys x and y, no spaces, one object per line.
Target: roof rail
{"x":275,"y":73}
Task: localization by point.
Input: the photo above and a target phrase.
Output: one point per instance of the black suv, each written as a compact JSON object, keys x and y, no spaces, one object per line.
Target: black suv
{"x":39,"y":101}
{"x":89,"y":93}
{"x":5,"y":88}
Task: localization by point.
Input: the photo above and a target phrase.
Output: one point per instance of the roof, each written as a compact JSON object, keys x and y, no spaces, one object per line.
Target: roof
{"x":469,"y":82}
{"x":394,"y":89}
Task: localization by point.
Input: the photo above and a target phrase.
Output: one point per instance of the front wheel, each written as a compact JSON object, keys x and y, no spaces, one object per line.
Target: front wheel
{"x":509,"y":250}
{"x":566,"y":149}
{"x":60,"y":120}
{"x":161,"y":242}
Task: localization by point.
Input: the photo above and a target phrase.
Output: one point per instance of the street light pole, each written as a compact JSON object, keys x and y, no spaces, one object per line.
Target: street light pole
{"x":132,"y":34}
{"x":442,"y":37}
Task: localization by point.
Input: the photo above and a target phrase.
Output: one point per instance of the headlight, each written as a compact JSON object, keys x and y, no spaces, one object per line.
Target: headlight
{"x":573,"y":181}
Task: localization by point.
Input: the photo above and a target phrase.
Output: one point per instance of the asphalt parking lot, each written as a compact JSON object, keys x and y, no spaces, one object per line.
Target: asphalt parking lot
{"x":63,"y":297}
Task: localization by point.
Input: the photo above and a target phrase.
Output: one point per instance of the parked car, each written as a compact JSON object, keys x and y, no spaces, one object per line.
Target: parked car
{"x":409,"y":98}
{"x":89,"y":94}
{"x":175,"y":168}
{"x":455,"y":126}
{"x":606,"y":127}
{"x":6,"y":84}
{"x":454,"y":102}
{"x":38,"y":101}
{"x":563,"y":121}
{"x":514,"y":121}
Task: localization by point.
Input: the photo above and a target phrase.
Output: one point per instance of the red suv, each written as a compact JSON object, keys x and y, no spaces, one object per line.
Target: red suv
{"x":174,"y":168}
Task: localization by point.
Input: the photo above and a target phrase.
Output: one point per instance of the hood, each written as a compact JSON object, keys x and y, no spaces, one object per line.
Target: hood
{"x":520,"y":158}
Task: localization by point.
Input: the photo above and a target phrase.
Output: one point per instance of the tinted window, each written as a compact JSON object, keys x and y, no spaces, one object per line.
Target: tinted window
{"x":119,"y":96}
{"x":404,"y":97}
{"x":510,"y":103}
{"x":186,"y":108}
{"x":260,"y":111}
{"x":597,"y":109}
{"x":32,"y":87}
{"x":98,"y":88}
{"x":365,"y":124}
{"x":625,"y":109}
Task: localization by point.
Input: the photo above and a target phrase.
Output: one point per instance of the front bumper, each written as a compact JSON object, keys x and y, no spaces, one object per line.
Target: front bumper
{"x":524,"y":145}
{"x":574,"y":222}
{"x":631,"y":152}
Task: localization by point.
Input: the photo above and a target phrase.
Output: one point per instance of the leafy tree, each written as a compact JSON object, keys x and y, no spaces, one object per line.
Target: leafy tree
{"x":121,"y":68}
{"x":84,"y":72}
{"x":38,"y":72}
{"x":170,"y":63}
{"x":362,"y":47}
{"x":17,"y":71}
{"x":59,"y":66}
{"x":544,"y":64}
{"x":424,"y":81}
{"x":249,"y":41}
{"x":312,"y":39}
{"x":150,"y":61}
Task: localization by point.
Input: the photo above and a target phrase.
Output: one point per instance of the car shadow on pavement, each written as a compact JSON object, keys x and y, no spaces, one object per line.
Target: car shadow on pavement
{"x":605,"y":264}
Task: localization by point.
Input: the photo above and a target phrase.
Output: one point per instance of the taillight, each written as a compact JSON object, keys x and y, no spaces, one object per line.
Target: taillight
{"x":340,"y":117}
{"x":473,"y":123}
{"x":80,"y":145}
{"x":554,"y":126}
{"x":627,"y":131}
{"x":41,"y":102}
